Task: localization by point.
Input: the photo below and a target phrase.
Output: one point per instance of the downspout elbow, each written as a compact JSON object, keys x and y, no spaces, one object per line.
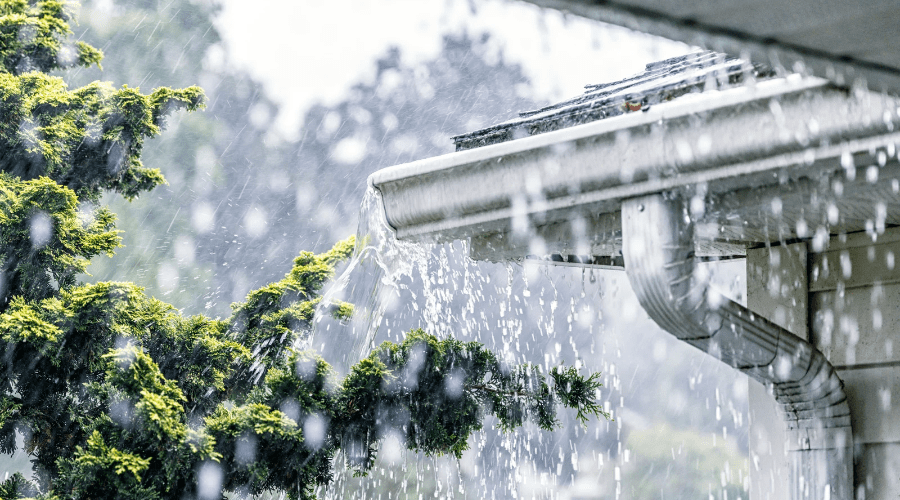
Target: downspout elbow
{"x":659,"y":260}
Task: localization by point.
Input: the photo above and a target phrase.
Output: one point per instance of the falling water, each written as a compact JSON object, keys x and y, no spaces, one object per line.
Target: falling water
{"x":369,"y":282}
{"x":527,"y":313}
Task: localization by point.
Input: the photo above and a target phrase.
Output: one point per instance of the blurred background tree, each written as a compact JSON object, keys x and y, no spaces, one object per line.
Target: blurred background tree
{"x":241,"y":203}
{"x":696,"y":466}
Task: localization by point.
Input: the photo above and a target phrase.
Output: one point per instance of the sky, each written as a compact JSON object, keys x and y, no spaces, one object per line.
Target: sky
{"x":308,"y":51}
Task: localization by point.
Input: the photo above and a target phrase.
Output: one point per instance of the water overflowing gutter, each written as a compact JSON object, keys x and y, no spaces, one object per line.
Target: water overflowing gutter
{"x":631,"y":178}
{"x":658,"y":245}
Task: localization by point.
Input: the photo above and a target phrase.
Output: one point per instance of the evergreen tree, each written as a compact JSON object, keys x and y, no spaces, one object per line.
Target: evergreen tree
{"x":119,"y":395}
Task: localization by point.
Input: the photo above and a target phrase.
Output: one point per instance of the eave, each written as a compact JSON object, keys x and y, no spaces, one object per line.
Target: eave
{"x":791,"y":139}
{"x":841,"y":41}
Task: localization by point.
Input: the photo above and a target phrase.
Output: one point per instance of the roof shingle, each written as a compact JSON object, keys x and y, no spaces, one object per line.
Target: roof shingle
{"x":660,"y":81}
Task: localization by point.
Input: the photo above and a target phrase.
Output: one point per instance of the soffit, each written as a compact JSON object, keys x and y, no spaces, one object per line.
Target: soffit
{"x":833,"y":39}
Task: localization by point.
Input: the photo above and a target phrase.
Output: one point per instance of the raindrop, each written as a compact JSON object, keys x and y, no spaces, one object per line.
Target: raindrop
{"x":453,"y":384}
{"x":704,"y":144}
{"x":291,"y":409}
{"x":872,"y":174}
{"x":314,"y":431}
{"x":209,"y":477}
{"x":167,"y":277}
{"x":349,"y":151}
{"x":203,"y":217}
{"x":519,"y":208}
{"x":847,"y":160}
{"x":40,"y":229}
{"x":846,"y":266}
{"x":245,"y":449}
{"x":880,"y":216}
{"x":802,"y":228}
{"x":391,"y":449}
{"x":813,"y":126}
{"x":698,"y":207}
{"x":260,"y":115}
{"x":659,"y":351}
{"x":776,"y":206}
{"x":184,"y":250}
{"x":838,"y":187}
{"x":848,"y":164}
{"x":684,"y":152}
{"x":256,"y":222}
{"x":833,"y":213}
{"x":330,"y":124}
{"x":783,"y":366}
{"x":122,"y":413}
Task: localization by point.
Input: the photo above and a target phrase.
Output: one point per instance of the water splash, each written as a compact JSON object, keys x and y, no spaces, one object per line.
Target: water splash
{"x":526,"y":313}
{"x":369,"y":282}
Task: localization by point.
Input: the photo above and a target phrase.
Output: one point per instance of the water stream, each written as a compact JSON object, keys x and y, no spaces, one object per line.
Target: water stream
{"x":370,"y":281}
{"x":536,"y":314}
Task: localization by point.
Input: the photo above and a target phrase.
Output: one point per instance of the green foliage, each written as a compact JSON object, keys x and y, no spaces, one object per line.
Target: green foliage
{"x":17,"y":487}
{"x":157,"y":402}
{"x":33,"y":37}
{"x":120,"y":395}
{"x":436,"y":392}
{"x":87,"y":139}
{"x":275,"y":316}
{"x":98,"y":467}
{"x":262,"y":449}
{"x":46,"y":240}
{"x":575,"y":391}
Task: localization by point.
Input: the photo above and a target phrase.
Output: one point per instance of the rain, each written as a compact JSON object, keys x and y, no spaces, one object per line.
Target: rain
{"x":504,"y":169}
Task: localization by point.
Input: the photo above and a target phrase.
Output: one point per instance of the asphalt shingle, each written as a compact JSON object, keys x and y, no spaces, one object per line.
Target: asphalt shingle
{"x":660,"y":82}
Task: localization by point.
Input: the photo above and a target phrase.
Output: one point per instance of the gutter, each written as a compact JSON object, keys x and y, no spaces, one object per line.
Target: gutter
{"x":659,"y":258}
{"x":801,"y":126}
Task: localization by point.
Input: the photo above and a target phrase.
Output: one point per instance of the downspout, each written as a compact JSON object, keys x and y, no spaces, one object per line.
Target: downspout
{"x":659,"y":259}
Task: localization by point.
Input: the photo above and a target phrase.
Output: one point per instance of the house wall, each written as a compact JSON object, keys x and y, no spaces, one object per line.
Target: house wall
{"x":854,"y":294}
{"x":776,"y":289}
{"x":845,"y":301}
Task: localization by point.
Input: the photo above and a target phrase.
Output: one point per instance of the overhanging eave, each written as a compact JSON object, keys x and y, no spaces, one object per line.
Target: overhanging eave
{"x":842,"y":41}
{"x":779,"y":138}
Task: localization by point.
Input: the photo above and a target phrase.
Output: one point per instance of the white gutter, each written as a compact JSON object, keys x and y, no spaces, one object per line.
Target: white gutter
{"x":658,"y":247}
{"x":738,"y":137}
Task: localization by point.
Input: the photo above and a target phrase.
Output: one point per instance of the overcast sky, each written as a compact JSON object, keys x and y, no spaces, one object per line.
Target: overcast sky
{"x":307,"y":51}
